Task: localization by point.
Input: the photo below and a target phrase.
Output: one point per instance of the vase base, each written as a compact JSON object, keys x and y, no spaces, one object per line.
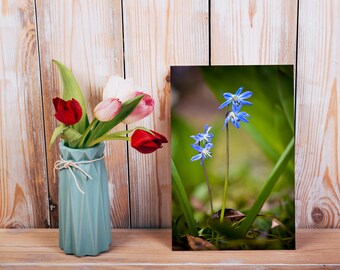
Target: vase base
{"x":84,"y":253}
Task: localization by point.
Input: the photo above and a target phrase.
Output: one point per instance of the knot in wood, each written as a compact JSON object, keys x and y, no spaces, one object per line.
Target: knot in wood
{"x":317,"y":215}
{"x":168,"y":77}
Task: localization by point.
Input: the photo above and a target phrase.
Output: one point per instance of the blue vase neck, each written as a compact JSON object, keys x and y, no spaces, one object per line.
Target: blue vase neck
{"x":84,"y":154}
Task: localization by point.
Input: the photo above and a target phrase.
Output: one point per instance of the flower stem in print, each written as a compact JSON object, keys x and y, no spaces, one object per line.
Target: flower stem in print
{"x":204,"y":139}
{"x":234,"y":116}
{"x":226,"y":177}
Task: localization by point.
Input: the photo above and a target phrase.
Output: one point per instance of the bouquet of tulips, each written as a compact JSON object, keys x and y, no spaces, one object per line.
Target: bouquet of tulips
{"x":123,"y":102}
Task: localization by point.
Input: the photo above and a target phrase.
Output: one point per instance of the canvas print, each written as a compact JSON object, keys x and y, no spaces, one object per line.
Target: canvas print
{"x":232,"y":149}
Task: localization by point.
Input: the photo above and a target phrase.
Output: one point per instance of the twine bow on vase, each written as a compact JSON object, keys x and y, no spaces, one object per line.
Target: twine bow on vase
{"x":68,"y":164}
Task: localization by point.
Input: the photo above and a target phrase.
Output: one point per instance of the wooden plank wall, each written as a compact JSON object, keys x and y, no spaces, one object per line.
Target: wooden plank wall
{"x":141,"y":39}
{"x":318,"y":86}
{"x":23,"y":175}
{"x":158,"y":34}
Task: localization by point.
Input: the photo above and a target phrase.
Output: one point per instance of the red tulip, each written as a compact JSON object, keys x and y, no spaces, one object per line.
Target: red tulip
{"x":68,"y":112}
{"x":146,"y":142}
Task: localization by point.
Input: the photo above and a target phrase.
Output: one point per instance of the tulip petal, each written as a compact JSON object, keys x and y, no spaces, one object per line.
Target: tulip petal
{"x":143,"y":109}
{"x":107,"y":109}
{"x":118,"y":87}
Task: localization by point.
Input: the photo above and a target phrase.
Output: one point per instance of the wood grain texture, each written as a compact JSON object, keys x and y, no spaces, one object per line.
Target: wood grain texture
{"x":87,"y":37}
{"x":253,"y":32}
{"x":158,"y":34}
{"x":23,"y":185}
{"x":151,"y":249}
{"x":318,"y":76}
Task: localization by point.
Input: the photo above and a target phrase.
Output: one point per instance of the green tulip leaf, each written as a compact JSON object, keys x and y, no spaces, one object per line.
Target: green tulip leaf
{"x":126,"y":132}
{"x":71,"y":90}
{"x":181,"y":196}
{"x":120,"y":135}
{"x":59,"y":130}
{"x":70,"y":135}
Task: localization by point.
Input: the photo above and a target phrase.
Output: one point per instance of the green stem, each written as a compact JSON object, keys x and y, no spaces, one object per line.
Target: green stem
{"x":107,"y":138}
{"x":73,"y":144}
{"x":183,"y":200}
{"x":210,"y":198}
{"x":225,"y":189}
{"x":278,"y":169}
{"x":83,"y":138}
{"x":124,"y":132}
{"x":95,"y":132}
{"x":209,"y":189}
{"x":118,"y":135}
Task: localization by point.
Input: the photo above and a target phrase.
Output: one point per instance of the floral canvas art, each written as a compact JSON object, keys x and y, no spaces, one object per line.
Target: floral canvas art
{"x":232,"y":149}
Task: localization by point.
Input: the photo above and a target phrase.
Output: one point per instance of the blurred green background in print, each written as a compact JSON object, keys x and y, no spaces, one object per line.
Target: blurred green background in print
{"x":196,"y":93}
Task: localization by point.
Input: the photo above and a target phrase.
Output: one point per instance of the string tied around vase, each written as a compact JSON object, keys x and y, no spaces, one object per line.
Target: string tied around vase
{"x":68,"y":164}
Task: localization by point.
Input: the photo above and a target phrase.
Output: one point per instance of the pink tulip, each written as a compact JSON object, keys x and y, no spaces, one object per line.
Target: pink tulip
{"x":107,"y":109}
{"x":143,"y":109}
{"x":125,"y":89}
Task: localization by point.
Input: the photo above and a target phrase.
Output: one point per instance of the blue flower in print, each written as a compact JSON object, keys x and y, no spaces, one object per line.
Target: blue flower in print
{"x":205,"y":137}
{"x":235,"y":117}
{"x":237,"y":100}
{"x":204,"y":152}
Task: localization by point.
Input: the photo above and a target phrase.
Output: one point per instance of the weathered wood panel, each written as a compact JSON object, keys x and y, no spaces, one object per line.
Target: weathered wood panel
{"x":23,"y":186}
{"x":87,"y":37}
{"x":158,"y":34}
{"x":253,"y":32}
{"x":318,"y":89}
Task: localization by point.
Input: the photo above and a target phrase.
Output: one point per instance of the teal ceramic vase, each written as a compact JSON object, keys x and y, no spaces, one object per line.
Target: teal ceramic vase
{"x":84,"y":209}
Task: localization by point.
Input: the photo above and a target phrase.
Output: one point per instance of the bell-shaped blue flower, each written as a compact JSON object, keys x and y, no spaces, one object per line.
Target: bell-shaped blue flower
{"x":237,"y":100}
{"x":205,"y":137}
{"x":204,"y":152}
{"x":235,"y":117}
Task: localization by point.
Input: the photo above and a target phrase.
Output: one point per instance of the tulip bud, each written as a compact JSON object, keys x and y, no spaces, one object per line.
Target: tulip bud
{"x":143,"y":109}
{"x":107,"y":109}
{"x":146,"y":142}
{"x":67,"y":112}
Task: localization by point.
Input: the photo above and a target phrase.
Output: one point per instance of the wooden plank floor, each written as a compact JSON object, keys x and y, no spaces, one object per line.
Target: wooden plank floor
{"x":131,"y":249}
